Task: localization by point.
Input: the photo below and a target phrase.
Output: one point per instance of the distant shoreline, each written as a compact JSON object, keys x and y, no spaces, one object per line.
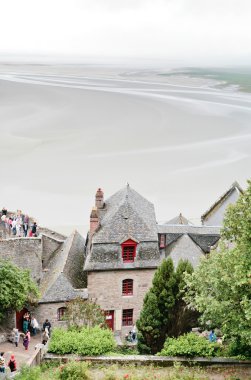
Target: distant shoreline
{"x":235,"y":79}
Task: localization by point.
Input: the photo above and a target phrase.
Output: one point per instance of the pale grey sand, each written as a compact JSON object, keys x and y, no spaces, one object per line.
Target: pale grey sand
{"x":66,"y":130}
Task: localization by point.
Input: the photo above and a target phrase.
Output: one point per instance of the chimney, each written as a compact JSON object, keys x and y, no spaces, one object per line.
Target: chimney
{"x":94,"y":221}
{"x":99,"y":198}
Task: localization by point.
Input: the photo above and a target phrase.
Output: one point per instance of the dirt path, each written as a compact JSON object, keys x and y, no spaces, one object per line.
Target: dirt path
{"x":21,"y":355}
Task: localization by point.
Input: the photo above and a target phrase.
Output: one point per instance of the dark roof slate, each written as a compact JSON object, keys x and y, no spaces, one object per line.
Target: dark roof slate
{"x":185,"y":228}
{"x":180,"y":219}
{"x":126,"y":213}
{"x":62,"y":290}
{"x":205,"y":242}
{"x":60,"y":278}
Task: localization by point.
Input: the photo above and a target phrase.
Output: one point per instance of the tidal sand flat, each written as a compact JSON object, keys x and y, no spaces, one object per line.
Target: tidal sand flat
{"x":66,"y":130}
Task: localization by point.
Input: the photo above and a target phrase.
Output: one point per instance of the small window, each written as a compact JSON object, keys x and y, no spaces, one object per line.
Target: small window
{"x":128,"y":251}
{"x":127,"y":317}
{"x":162,"y":241}
{"x":61,"y":313}
{"x":127,"y":287}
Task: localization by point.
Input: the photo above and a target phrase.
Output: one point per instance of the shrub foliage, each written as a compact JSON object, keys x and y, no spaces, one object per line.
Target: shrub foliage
{"x":87,"y":341}
{"x":189,"y":345}
{"x":80,"y":312}
{"x":16,"y":286}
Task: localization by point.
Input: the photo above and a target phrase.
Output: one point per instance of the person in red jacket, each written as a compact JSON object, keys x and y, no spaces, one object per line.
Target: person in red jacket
{"x":12,"y":364}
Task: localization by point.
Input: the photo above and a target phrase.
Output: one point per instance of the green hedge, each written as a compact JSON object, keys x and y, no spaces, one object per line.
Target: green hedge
{"x":87,"y":341}
{"x":189,"y":345}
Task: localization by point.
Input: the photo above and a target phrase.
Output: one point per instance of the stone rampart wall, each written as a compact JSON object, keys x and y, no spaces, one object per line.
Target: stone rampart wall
{"x":26,"y":253}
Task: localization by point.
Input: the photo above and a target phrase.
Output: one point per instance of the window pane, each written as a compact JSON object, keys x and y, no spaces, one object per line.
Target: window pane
{"x":127,"y":287}
{"x":127,"y":317}
{"x":128,"y":253}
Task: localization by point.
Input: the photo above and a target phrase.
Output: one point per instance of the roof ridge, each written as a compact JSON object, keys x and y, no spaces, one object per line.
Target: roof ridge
{"x":234,"y":185}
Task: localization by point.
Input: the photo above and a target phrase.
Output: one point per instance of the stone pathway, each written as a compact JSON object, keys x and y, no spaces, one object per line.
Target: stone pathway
{"x":21,"y":355}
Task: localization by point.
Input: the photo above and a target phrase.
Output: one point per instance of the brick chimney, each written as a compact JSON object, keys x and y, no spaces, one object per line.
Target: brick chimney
{"x":94,"y":221}
{"x":99,"y":198}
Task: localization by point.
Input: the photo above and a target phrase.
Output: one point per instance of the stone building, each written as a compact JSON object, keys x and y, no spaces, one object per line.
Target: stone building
{"x":180,"y":239}
{"x":125,"y":245}
{"x":55,"y":263}
{"x":116,"y":263}
{"x":122,"y":255}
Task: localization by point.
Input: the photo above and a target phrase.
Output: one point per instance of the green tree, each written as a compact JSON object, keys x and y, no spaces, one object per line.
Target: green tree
{"x":149,"y":325}
{"x":17,"y":288}
{"x":164,"y":313}
{"x":80,"y":312}
{"x":220,"y":288}
{"x":184,"y":318}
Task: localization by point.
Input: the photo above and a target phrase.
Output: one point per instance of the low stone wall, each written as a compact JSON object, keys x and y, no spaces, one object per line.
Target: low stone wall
{"x":3,"y":337}
{"x":161,"y":361}
{"x":37,"y":357}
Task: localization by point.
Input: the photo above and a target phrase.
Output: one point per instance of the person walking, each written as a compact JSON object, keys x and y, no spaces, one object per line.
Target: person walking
{"x":25,"y":323}
{"x":26,"y":341}
{"x":48,"y":325}
{"x":26,"y":225}
{"x":2,"y":363}
{"x":12,"y":364}
{"x":16,"y":337}
{"x":45,"y":336}
{"x":34,"y":229}
{"x":34,"y":325}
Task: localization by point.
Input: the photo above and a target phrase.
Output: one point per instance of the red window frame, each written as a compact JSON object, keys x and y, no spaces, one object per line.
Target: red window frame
{"x":127,"y":317}
{"x":162,"y":241}
{"x":127,"y":287}
{"x":61,"y":312}
{"x":128,"y":251}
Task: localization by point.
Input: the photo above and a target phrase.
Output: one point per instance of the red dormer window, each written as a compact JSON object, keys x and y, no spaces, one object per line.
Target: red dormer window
{"x":128,"y":251}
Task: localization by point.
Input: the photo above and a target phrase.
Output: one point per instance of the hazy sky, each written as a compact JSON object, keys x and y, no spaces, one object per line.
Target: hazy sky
{"x":180,"y":31}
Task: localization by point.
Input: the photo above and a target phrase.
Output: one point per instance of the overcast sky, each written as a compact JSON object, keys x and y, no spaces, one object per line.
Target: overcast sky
{"x":184,"y":31}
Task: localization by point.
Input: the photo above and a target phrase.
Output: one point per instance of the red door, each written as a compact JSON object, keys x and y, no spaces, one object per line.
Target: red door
{"x":19,"y":318}
{"x":109,"y":318}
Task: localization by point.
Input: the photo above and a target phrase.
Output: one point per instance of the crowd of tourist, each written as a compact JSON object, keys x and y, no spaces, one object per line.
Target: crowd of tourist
{"x":18,"y":224}
{"x":30,"y":329}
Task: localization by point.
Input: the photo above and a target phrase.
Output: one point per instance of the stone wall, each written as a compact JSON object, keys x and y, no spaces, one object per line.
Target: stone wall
{"x":26,"y":253}
{"x":106,"y":288}
{"x":49,"y":311}
{"x":184,"y":249}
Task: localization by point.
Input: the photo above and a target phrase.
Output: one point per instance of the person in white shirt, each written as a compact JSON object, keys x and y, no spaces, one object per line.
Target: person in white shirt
{"x":34,"y":325}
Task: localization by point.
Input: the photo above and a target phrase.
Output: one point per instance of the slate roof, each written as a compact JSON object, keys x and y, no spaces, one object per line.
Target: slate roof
{"x":180,"y":219}
{"x":60,"y":278}
{"x":126,"y":213}
{"x":204,"y":236}
{"x":53,"y":234}
{"x":235,"y":186}
{"x":184,"y":228}
{"x":62,"y":290}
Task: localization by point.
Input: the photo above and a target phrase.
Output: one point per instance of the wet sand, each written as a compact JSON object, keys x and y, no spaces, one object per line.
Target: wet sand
{"x":66,"y":130}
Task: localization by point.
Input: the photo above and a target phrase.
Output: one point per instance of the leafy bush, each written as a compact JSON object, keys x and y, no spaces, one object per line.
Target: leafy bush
{"x":29,"y":373}
{"x":74,"y":371}
{"x":189,"y":345}
{"x":87,"y":341}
